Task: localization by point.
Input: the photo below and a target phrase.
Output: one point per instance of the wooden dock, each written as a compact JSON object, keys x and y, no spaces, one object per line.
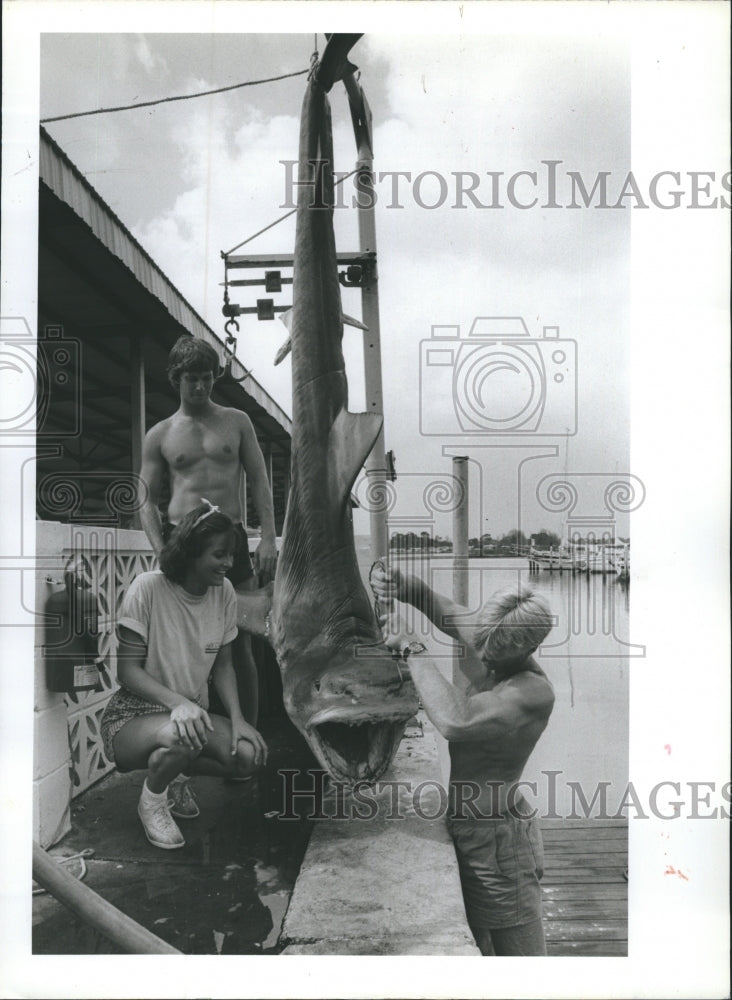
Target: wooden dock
{"x":584,"y":888}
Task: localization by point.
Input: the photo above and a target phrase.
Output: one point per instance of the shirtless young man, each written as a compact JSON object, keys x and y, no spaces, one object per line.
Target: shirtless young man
{"x":204,"y":448}
{"x":492,"y":724}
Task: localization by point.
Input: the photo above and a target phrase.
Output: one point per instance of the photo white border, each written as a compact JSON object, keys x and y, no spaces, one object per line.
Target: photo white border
{"x":679,"y":930}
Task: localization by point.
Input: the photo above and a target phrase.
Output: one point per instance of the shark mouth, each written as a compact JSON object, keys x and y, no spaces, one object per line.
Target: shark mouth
{"x":355,"y":750}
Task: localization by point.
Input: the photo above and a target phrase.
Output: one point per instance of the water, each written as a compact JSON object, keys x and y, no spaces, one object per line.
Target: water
{"x":586,"y":658}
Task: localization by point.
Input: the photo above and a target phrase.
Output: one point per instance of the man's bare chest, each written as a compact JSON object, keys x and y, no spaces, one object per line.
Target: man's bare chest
{"x":189,"y":444}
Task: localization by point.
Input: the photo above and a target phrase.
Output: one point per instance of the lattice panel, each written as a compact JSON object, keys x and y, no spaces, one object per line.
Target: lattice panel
{"x":88,"y":763}
{"x":109,"y":574}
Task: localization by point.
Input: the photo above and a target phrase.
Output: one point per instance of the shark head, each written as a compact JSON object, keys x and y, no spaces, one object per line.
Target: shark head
{"x":351,"y":705}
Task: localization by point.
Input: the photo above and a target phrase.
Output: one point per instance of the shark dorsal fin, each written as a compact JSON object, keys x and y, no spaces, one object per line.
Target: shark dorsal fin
{"x":350,"y":440}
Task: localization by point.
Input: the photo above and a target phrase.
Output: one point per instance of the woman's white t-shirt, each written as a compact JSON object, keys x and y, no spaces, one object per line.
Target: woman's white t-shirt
{"x":183,"y":632}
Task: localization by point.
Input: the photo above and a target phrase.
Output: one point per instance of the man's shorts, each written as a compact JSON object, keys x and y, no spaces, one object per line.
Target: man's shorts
{"x":242,"y":568}
{"x":501,"y":861}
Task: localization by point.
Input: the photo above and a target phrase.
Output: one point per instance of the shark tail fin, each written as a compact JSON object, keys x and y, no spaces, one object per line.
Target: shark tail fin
{"x":351,"y":438}
{"x":334,"y":64}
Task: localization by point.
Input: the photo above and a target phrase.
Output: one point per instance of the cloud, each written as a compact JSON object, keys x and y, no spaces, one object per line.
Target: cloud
{"x":206,"y":174}
{"x":151,"y":61}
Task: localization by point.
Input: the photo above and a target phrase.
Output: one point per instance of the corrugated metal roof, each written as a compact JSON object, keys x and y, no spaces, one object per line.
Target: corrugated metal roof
{"x":69,"y":185}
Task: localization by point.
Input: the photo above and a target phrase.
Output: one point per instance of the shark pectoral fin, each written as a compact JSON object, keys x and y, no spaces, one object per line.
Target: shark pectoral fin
{"x":283,"y":351}
{"x":351,"y":438}
{"x":350,"y":321}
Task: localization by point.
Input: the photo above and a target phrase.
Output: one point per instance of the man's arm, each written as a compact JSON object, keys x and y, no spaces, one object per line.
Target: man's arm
{"x":409,"y":589}
{"x":224,"y":682}
{"x":252,"y":460}
{"x":488,"y":714}
{"x":461,"y":716}
{"x":152,"y":474}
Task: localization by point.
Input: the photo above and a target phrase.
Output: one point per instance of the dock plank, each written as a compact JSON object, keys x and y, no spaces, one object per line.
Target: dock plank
{"x":584,"y":890}
{"x":587,"y":949}
{"x":598,"y":837}
{"x":590,"y":861}
{"x":571,"y":909}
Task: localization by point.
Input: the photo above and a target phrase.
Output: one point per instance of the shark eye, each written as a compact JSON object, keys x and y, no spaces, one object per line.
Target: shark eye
{"x":316,"y":685}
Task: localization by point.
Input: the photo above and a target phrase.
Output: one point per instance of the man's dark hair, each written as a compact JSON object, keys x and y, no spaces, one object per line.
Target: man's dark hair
{"x":191,"y":354}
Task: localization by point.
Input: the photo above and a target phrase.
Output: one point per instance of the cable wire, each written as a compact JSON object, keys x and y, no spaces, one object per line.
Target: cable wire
{"x":166,"y":100}
{"x":282,"y":218}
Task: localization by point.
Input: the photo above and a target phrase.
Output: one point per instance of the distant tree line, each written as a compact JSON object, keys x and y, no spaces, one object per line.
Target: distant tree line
{"x":513,"y":543}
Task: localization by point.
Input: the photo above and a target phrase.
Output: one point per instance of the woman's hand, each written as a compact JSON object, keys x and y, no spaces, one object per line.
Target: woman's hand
{"x":241,"y":730}
{"x":191,"y":722}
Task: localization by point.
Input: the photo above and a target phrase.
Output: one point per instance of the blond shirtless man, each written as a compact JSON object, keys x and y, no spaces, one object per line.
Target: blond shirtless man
{"x":492,"y":721}
{"x":204,"y":448}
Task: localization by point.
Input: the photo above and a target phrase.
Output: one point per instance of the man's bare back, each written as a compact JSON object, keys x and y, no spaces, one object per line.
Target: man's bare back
{"x":493,"y":761}
{"x":494,"y":717}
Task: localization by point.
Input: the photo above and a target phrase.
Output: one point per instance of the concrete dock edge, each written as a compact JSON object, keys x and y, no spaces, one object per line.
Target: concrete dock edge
{"x":389,"y":884}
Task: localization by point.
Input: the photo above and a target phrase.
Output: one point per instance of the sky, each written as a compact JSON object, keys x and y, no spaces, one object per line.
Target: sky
{"x":193,"y":178}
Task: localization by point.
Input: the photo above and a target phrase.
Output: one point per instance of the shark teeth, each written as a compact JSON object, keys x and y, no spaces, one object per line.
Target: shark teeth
{"x":356,"y":750}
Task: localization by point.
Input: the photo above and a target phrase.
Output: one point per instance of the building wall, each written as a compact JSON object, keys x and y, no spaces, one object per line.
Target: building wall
{"x":68,"y":752}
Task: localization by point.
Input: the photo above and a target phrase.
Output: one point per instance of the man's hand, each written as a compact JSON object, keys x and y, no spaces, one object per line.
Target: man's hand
{"x":241,"y":730}
{"x":389,"y":585}
{"x":191,"y":722}
{"x":265,"y":558}
{"x":395,"y":631}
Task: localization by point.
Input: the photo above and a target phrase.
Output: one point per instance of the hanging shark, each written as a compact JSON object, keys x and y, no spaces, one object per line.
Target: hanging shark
{"x":341,"y":685}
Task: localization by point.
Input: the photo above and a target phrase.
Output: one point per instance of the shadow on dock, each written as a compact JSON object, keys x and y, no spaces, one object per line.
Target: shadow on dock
{"x":225,"y":892}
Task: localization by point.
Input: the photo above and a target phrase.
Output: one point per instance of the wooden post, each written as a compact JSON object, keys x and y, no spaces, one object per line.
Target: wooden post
{"x":137,"y":411}
{"x":129,"y":936}
{"x":375,"y":464}
{"x":460,"y":578}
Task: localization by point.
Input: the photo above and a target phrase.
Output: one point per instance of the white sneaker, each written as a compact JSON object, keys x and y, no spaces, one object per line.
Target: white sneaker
{"x":181,"y":801}
{"x":159,"y":826}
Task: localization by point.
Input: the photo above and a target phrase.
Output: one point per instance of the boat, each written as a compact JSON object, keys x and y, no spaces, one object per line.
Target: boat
{"x":621,"y":561}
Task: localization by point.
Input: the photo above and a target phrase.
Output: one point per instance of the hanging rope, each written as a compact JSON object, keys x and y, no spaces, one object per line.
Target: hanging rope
{"x":182,"y":97}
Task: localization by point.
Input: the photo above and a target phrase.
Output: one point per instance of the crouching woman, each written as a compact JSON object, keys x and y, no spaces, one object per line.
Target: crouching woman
{"x":175,"y":633}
